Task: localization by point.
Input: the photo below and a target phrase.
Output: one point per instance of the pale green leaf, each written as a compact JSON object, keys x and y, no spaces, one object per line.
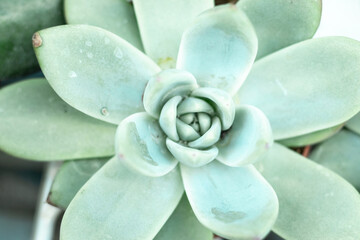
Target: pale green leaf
{"x":219,"y":48}
{"x":162,"y":22}
{"x":71,"y":176}
{"x":36,"y":124}
{"x":183,"y":225}
{"x":341,"y":154}
{"x":165,"y":85}
{"x":116,"y":16}
{"x":223,"y":103}
{"x":280,"y":23}
{"x":94,"y":70}
{"x":247,"y":140}
{"x":119,"y":204}
{"x":306,"y":87}
{"x":234,"y":202}
{"x":191,"y":156}
{"x":311,"y":138}
{"x":140,"y":145}
{"x":354,"y":123}
{"x":315,"y":203}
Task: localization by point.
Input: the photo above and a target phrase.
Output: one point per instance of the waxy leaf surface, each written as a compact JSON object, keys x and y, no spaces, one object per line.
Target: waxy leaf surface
{"x":315,"y":203}
{"x":234,"y":202}
{"x":341,"y":154}
{"x":94,"y":70}
{"x":306,"y":87}
{"x":117,"y":203}
{"x":116,"y":16}
{"x":280,"y":23}
{"x":162,"y":23}
{"x":36,"y":124}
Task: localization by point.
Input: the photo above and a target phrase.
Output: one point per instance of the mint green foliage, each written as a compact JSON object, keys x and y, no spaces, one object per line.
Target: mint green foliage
{"x":123,"y":20}
{"x":183,"y":225}
{"x":186,"y":140}
{"x":311,"y":138}
{"x":19,"y":19}
{"x":71,"y":176}
{"x":327,"y":206}
{"x":298,"y":74}
{"x":341,"y":154}
{"x":280,"y":23}
{"x":32,"y":110}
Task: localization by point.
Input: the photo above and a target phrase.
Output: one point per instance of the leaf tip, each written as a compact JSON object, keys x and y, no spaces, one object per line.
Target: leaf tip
{"x":36,"y":40}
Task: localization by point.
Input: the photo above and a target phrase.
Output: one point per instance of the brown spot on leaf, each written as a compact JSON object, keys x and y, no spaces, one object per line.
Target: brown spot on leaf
{"x":36,"y":40}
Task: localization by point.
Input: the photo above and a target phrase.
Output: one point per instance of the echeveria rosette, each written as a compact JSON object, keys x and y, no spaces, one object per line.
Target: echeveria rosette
{"x":97,"y":66}
{"x":196,"y":125}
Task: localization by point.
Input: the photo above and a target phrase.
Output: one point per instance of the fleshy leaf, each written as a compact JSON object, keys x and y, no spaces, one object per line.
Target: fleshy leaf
{"x":354,"y":123}
{"x":183,"y":225}
{"x":107,"y":72}
{"x":219,"y":48}
{"x":140,"y":145}
{"x":118,"y":203}
{"x":162,"y":22}
{"x":71,"y":176}
{"x":195,"y":105}
{"x":191,"y":156}
{"x":311,"y":138}
{"x":116,"y":16}
{"x":235,"y":203}
{"x":31,"y":109}
{"x":341,"y":154}
{"x":210,"y":137}
{"x":247,"y":140}
{"x":280,"y":23}
{"x":168,"y":118}
{"x":315,"y":203}
{"x":324,"y":69}
{"x":165,"y":85}
{"x":223,"y":103}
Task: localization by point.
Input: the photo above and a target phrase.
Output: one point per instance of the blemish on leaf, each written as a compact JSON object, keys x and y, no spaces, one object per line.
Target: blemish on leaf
{"x":36,"y":40}
{"x":104,"y":111}
{"x":227,"y":216}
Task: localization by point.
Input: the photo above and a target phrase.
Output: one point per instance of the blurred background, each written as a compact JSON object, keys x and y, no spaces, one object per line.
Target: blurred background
{"x":21,"y":180}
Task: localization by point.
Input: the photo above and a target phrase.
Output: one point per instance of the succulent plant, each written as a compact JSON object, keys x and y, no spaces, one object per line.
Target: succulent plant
{"x":187,"y":115}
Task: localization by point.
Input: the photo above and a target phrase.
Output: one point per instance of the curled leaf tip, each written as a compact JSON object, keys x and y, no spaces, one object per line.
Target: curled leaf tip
{"x":36,"y":40}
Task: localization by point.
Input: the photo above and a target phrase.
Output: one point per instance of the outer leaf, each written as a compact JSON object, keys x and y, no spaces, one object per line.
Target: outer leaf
{"x":70,"y":178}
{"x":311,"y":138}
{"x":236,"y":203}
{"x":314,"y":202}
{"x":324,"y":69}
{"x":354,"y":123}
{"x":248,"y":139}
{"x":36,"y":124}
{"x":162,"y":22}
{"x":280,"y":23}
{"x":107,"y":72}
{"x":219,"y":48}
{"x":341,"y":154}
{"x":119,"y":204}
{"x":183,"y":225}
{"x":140,"y":145}
{"x":116,"y":16}
{"x":18,"y":21}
